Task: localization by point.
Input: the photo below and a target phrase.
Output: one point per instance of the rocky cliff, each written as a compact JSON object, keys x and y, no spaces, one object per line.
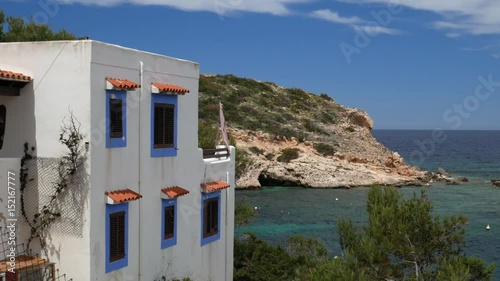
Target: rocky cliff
{"x":297,"y":138}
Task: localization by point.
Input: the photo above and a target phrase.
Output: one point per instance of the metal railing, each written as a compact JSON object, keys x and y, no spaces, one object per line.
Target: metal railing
{"x":219,"y":153}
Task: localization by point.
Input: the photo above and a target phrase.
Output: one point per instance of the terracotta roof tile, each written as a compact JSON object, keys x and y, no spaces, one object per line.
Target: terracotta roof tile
{"x":170,"y":88}
{"x":174,"y":191}
{"x":4,"y":74}
{"x":214,"y":186}
{"x":123,"y":83}
{"x":120,"y":196}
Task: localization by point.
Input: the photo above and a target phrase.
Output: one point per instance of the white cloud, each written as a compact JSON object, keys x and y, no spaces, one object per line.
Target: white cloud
{"x":354,"y":22}
{"x":375,"y":30}
{"x":334,"y":17}
{"x":483,"y":48}
{"x":275,"y":7}
{"x":458,"y":16}
{"x":496,"y":56}
{"x":453,"y":35}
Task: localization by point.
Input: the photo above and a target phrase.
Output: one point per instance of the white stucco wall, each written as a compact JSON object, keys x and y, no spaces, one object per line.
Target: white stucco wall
{"x":133,"y":167}
{"x":61,"y":76}
{"x":71,"y":75}
{"x":9,"y":177}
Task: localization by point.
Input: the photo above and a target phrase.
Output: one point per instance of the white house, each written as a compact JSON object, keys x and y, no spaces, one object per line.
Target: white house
{"x":145,"y":205}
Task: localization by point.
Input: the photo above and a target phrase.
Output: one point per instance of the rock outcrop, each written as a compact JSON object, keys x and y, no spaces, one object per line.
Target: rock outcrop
{"x":336,"y":147}
{"x":367,"y":164}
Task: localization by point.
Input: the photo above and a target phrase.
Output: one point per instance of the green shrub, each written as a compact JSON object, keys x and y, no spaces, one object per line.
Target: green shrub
{"x":244,"y":213}
{"x":269,"y":156}
{"x":311,"y":126}
{"x":256,"y":150}
{"x":243,"y":162}
{"x":326,"y":97}
{"x":207,"y":134}
{"x":324,"y":149}
{"x":288,"y":154}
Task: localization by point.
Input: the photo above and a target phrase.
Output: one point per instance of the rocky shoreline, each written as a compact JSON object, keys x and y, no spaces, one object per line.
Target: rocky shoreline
{"x":369,"y":163}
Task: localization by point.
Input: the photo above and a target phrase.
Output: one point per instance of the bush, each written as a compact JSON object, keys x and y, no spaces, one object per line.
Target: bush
{"x":326,"y":97}
{"x":404,"y":240}
{"x":288,"y":154}
{"x":243,"y":162}
{"x":243,"y":213}
{"x":324,"y":149}
{"x":256,"y":150}
{"x":207,"y":134}
{"x":311,"y":126}
{"x":256,"y":260}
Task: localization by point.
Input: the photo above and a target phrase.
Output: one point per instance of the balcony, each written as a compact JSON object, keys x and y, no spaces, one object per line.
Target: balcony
{"x":219,"y":163}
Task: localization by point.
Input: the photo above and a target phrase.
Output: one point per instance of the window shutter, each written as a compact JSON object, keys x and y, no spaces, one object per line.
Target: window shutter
{"x":169,"y":126}
{"x":169,"y":222}
{"x":211,"y":217}
{"x":116,"y":118}
{"x":164,"y":125}
{"x":158,"y":126}
{"x":116,"y":236}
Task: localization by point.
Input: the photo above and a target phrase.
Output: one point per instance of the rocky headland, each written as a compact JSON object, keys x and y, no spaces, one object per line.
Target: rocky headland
{"x":294,"y":138}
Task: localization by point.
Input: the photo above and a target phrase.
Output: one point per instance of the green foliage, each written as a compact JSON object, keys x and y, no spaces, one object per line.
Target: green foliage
{"x":18,"y":30}
{"x":326,"y":97}
{"x":243,"y":213}
{"x":207,"y":134}
{"x":263,"y":106}
{"x":312,"y":126}
{"x":324,"y":149}
{"x":404,"y":241}
{"x":269,"y":156}
{"x":288,"y":154}
{"x":256,"y":150}
{"x":336,"y":269}
{"x":243,"y":161}
{"x":256,"y":260}
{"x":311,"y":250}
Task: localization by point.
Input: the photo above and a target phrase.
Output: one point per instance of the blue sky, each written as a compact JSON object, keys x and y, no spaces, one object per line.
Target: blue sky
{"x":410,"y":64}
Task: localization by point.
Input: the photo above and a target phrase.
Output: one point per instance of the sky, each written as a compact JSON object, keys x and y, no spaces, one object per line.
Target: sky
{"x":411,"y":64}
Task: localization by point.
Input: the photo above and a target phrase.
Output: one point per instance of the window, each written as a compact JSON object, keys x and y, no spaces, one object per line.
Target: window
{"x":210,"y":214}
{"x":116,"y":236}
{"x":163,"y":125}
{"x":211,"y":217}
{"x":169,"y":223}
{"x":116,"y":119}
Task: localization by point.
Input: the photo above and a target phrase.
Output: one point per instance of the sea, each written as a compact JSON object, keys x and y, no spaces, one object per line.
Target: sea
{"x":289,"y":211}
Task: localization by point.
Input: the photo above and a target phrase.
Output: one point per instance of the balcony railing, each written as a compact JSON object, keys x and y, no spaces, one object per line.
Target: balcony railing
{"x":219,"y":153}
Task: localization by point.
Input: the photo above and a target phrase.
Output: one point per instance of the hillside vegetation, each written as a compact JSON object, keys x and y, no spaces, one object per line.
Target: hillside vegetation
{"x":264,"y":106}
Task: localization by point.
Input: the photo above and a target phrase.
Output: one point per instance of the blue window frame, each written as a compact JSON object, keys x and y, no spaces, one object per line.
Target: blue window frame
{"x":169,"y":223}
{"x":116,"y":121}
{"x":163,"y":125}
{"x":116,"y":236}
{"x":210,"y":217}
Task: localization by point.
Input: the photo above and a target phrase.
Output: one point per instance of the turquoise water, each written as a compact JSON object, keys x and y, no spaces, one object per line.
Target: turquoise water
{"x":312,"y":212}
